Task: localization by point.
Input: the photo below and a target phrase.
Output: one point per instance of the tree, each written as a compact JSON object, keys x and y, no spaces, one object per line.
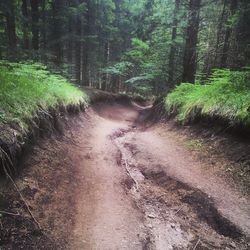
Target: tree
{"x":11,"y":24}
{"x":92,"y":42}
{"x":35,"y":23}
{"x":226,"y":45}
{"x":85,"y":43}
{"x":44,"y":31}
{"x":25,"y":24}
{"x":221,"y":21}
{"x":242,"y":35}
{"x":190,"y":54}
{"x":78,"y":32}
{"x":57,"y":29}
{"x":173,"y":45}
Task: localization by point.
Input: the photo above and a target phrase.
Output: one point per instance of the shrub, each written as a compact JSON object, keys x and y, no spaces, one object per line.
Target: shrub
{"x":226,"y":96}
{"x":27,"y":88}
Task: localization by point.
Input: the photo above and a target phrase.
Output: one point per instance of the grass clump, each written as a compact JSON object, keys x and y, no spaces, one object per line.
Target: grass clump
{"x":225,"y":96}
{"x":27,"y":88}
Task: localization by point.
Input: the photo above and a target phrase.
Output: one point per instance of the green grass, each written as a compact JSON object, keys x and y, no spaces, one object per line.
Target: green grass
{"x":226,"y":96}
{"x":27,"y":88}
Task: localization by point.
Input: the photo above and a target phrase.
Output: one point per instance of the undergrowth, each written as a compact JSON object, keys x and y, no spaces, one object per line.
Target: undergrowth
{"x":225,"y":96}
{"x":28,"y":88}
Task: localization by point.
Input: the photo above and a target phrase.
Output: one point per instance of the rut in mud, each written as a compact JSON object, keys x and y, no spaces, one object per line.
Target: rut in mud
{"x":172,"y":209}
{"x":117,"y":185}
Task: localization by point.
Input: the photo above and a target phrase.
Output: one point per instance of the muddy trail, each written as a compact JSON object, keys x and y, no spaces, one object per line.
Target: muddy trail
{"x":110,"y":183}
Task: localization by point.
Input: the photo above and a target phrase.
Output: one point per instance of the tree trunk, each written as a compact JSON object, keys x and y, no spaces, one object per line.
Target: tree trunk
{"x":57,"y":31}
{"x":44,"y":31}
{"x":70,"y":39}
{"x":226,"y":45}
{"x":107,"y":57}
{"x":11,"y":25}
{"x":173,"y":46}
{"x":190,"y":54}
{"x":35,"y":23}
{"x":219,"y":31}
{"x":78,"y":31}
{"x":25,"y":24}
{"x":85,"y":60}
{"x":85,"y":46}
{"x":70,"y":42}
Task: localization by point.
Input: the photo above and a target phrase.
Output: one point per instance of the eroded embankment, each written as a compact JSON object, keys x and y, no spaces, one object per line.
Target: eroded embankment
{"x":49,"y":184}
{"x":33,"y":102}
{"x":177,"y":215}
{"x":16,"y":142}
{"x":45,"y":176}
{"x":223,"y":145}
{"x":117,"y":185}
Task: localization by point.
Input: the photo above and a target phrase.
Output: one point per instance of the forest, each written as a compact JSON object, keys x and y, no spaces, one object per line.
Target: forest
{"x":144,"y":47}
{"x":147,"y":46}
{"x":107,"y":73}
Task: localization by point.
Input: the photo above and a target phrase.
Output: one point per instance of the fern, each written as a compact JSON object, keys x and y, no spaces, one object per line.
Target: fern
{"x":226,"y":95}
{"x":25,"y":88}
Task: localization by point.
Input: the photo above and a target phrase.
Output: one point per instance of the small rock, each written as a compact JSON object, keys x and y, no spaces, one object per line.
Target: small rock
{"x":232,"y":244}
{"x":150,"y":226}
{"x":172,"y":225}
{"x":87,"y":156}
{"x":152,"y":216}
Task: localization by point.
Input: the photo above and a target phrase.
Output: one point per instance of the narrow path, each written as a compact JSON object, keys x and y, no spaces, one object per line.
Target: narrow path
{"x":110,"y":184}
{"x":140,"y":190}
{"x":107,"y":217}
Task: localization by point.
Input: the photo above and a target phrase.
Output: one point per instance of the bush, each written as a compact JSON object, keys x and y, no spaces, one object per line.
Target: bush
{"x":226,"y":96}
{"x":27,"y":88}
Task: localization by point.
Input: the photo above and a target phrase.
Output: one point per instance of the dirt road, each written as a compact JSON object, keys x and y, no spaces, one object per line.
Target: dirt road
{"x":117,"y":185}
{"x":142,"y":191}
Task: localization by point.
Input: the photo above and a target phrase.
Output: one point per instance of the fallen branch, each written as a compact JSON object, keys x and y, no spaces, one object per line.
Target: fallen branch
{"x":26,"y":204}
{"x":197,"y":243}
{"x":127,"y":170}
{"x":9,"y":213}
{"x":45,"y":112}
{"x":4,"y":156}
{"x":179,"y":209}
{"x":123,"y":157}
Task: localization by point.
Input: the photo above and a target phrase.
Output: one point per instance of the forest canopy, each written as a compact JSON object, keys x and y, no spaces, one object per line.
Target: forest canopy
{"x":143,"y":46}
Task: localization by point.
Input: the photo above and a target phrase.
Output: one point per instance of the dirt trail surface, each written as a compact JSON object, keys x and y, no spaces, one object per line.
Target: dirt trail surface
{"x":109,"y":183}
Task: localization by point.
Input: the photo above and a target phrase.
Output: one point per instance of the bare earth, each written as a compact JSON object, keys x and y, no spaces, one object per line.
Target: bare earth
{"x":111,"y":184}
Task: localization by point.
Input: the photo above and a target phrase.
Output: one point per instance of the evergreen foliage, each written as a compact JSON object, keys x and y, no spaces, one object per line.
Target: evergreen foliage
{"x":28,"y":88}
{"x":134,"y":46}
{"x":225,"y":96}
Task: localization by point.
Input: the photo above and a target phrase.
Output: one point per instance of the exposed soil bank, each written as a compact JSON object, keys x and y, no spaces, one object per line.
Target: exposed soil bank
{"x":15,"y":142}
{"x":110,"y":184}
{"x":225,"y":148}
